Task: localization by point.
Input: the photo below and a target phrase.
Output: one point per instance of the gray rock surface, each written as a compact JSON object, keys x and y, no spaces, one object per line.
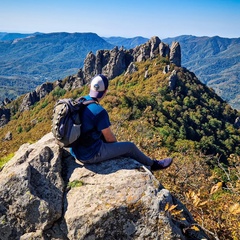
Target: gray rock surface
{"x":46,"y":194}
{"x":173,"y":79}
{"x":4,"y":116}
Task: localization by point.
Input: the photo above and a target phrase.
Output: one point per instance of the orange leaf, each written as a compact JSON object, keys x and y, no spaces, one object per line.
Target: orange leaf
{"x":216,"y":187}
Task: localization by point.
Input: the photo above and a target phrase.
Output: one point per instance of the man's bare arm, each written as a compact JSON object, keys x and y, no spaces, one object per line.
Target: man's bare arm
{"x":109,"y":135}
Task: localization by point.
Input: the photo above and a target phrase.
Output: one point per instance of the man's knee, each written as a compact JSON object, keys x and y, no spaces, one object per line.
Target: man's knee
{"x":131,"y":145}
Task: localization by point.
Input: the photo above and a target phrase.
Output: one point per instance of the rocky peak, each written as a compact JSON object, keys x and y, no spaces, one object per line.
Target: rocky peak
{"x":108,"y":62}
{"x":114,"y":62}
{"x":6,"y":101}
{"x":154,"y":42}
{"x":164,"y":49}
{"x":46,"y":194}
{"x":175,"y":54}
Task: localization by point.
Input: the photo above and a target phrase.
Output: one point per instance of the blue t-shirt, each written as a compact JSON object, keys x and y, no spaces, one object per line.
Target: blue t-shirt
{"x":94,"y":119}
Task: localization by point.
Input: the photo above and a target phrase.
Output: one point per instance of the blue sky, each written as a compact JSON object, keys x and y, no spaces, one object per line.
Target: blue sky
{"x":125,"y":18}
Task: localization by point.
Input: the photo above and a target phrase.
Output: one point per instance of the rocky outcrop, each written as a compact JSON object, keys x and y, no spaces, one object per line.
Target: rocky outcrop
{"x":114,"y":62}
{"x":111,"y":63}
{"x":175,"y":54}
{"x":173,"y":80}
{"x":6,"y":101}
{"x":166,"y":69}
{"x":4,"y":116}
{"x":33,"y":97}
{"x":46,"y":194}
{"x":237,"y":122}
{"x":131,"y":69}
{"x":8,"y":136}
{"x":31,"y":189}
{"x":164,"y":49}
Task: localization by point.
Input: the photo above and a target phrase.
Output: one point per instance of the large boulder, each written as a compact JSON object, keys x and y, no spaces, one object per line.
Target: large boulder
{"x":31,"y":190}
{"x":46,"y":194}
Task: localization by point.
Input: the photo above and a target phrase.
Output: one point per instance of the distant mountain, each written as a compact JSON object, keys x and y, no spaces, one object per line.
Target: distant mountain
{"x":2,"y":34}
{"x":127,"y":43}
{"x":27,"y":61}
{"x":13,"y":36}
{"x":215,"y":61}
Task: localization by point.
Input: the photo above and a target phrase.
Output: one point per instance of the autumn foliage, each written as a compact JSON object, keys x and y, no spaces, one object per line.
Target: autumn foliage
{"x":191,"y":123}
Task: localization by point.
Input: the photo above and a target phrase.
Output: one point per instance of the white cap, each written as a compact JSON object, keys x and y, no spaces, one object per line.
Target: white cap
{"x":99,"y":85}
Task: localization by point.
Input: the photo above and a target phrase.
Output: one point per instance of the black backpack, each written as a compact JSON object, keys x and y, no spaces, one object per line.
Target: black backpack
{"x":66,"y":124}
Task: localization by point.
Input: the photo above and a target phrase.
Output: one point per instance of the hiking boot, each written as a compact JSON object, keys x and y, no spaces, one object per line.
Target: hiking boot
{"x":161,"y":164}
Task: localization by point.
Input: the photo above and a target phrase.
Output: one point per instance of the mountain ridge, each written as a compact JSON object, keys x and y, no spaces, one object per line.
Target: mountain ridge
{"x":44,"y":57}
{"x":215,"y":60}
{"x":4,"y":36}
{"x":187,"y":120}
{"x":126,"y":42}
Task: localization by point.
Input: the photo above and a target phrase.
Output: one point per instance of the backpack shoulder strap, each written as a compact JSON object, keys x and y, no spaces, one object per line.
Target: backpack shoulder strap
{"x":86,"y":102}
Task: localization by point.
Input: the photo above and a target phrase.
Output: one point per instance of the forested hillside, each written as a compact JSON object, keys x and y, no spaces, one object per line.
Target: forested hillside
{"x":30,"y":61}
{"x":190,"y":122}
{"x":215,"y":61}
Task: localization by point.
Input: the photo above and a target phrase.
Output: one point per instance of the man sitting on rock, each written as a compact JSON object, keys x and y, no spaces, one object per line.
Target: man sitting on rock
{"x":97,"y":142}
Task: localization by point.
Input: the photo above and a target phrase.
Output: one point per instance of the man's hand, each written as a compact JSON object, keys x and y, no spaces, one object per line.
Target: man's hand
{"x":109,"y":135}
